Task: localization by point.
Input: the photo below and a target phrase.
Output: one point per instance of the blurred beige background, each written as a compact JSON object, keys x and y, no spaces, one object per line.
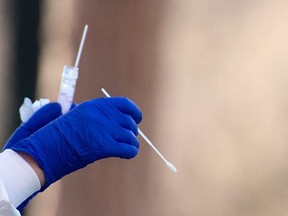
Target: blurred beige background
{"x":211,"y":79}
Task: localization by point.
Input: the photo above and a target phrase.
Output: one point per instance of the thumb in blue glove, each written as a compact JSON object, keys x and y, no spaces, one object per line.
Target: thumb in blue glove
{"x":96,"y":129}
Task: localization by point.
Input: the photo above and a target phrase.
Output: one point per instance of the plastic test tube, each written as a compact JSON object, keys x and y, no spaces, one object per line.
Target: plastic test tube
{"x":67,"y":87}
{"x":69,"y":78}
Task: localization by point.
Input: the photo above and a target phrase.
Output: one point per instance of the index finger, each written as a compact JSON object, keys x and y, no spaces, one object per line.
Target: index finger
{"x":126,"y":106}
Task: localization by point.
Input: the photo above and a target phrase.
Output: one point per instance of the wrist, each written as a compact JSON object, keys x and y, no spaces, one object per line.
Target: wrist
{"x":34,"y":165}
{"x":18,"y":177}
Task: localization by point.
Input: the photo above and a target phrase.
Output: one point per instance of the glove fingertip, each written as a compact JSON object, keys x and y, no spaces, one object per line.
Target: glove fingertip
{"x":44,"y":115}
{"x":128,"y":151}
{"x":51,"y":109}
{"x":53,"y":106}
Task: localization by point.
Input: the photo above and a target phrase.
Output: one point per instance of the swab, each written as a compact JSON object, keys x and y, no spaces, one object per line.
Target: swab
{"x":169,"y":164}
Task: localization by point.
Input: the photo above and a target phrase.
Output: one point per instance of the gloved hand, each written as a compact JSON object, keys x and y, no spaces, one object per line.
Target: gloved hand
{"x":96,"y":129}
{"x":40,"y":118}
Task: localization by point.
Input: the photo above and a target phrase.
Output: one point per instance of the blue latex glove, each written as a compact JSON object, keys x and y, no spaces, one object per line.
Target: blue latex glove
{"x":40,"y":118}
{"x":96,"y":129}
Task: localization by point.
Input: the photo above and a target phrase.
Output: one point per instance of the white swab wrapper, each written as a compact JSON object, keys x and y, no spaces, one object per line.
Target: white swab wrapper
{"x":169,"y":164}
{"x":28,"y":108}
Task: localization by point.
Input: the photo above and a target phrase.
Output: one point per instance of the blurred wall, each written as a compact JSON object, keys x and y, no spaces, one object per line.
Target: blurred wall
{"x":6,"y":89}
{"x":211,"y":80}
{"x":19,"y":22}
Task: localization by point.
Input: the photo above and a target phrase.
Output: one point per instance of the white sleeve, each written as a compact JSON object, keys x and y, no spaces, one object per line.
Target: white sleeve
{"x":6,"y":208}
{"x":18,"y":181}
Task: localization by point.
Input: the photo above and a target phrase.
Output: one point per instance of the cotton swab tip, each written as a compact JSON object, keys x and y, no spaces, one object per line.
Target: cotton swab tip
{"x":171,"y":167}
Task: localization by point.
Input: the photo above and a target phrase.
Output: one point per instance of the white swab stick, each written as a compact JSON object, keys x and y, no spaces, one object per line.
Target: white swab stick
{"x":81,"y":46}
{"x":170,"y":165}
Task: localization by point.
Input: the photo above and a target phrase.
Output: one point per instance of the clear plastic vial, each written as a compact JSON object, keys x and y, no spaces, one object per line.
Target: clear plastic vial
{"x":67,"y":87}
